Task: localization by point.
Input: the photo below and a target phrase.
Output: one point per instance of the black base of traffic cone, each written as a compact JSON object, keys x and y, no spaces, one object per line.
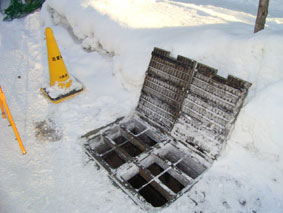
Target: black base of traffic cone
{"x":64,"y":96}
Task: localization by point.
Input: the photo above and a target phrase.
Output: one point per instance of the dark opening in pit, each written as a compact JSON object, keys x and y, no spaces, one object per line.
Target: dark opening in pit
{"x":120,"y":139}
{"x":147,"y":140}
{"x":152,"y":196}
{"x":155,"y":169}
{"x":186,"y":169}
{"x":131,"y":149}
{"x":172,"y":157}
{"x":113,"y":159}
{"x":135,"y":131}
{"x":137,"y":181}
{"x":171,"y":182}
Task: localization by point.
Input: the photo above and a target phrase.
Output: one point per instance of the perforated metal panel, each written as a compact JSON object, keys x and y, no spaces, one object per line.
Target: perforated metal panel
{"x":209,"y":110}
{"x":167,"y":80}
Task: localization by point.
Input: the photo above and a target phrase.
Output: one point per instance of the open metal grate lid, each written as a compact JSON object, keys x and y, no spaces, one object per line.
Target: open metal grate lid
{"x":165,"y":87}
{"x":190,"y":101}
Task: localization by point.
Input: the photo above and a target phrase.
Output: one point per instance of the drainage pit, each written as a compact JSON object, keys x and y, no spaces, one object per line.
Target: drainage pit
{"x":120,"y":139}
{"x":137,"y":181}
{"x":102,"y":148}
{"x":146,"y":140}
{"x":165,"y":178}
{"x":173,"y":157}
{"x":131,"y":149}
{"x":134,"y":127}
{"x":186,"y":169}
{"x":171,"y":182}
{"x":155,"y":169}
{"x":151,"y":195}
{"x":98,"y":145}
{"x":113,"y":159}
{"x":136,"y":130}
{"x":184,"y":115}
{"x":189,"y":163}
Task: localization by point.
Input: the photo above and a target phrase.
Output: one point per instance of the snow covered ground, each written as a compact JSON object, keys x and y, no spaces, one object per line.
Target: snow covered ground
{"x":107,"y":46}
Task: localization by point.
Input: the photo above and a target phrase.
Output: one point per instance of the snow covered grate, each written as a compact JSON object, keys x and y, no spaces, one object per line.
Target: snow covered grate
{"x":164,"y":88}
{"x":209,"y":110}
{"x":184,"y":116}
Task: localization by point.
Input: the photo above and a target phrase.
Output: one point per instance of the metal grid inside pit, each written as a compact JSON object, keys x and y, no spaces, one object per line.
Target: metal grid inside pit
{"x":151,"y":165}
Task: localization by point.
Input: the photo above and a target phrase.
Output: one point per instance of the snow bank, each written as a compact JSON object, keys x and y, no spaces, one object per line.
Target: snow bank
{"x":4,"y":4}
{"x":259,"y":126}
{"x":230,"y":47}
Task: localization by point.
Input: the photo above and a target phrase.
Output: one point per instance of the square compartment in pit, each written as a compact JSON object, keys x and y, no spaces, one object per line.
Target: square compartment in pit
{"x":131,"y":149}
{"x":153,"y":196}
{"x":137,"y":181}
{"x":134,"y":127}
{"x":155,"y":169}
{"x":147,"y":139}
{"x":116,"y":136}
{"x":113,"y":159}
{"x":120,"y":139}
{"x":184,"y":159}
{"x":171,"y":182}
{"x":147,"y":189}
{"x":97,"y":146}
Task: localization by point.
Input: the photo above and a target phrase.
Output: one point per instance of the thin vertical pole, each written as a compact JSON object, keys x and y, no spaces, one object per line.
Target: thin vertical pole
{"x":2,"y":108}
{"x":3,"y":103}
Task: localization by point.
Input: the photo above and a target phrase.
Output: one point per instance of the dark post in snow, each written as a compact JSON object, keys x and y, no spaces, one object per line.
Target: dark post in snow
{"x":261,"y":15}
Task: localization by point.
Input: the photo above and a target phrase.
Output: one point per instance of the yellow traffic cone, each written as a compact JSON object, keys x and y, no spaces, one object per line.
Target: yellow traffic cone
{"x":62,"y":86}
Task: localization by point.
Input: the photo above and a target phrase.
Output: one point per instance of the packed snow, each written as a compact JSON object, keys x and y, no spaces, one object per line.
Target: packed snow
{"x":107,"y":46}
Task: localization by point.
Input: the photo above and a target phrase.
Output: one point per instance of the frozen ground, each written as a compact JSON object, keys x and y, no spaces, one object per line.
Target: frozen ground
{"x":57,"y":176}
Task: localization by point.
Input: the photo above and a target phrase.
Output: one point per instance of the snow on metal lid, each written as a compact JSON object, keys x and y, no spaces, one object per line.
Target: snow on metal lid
{"x":189,"y":100}
{"x":166,"y":82}
{"x":209,"y":110}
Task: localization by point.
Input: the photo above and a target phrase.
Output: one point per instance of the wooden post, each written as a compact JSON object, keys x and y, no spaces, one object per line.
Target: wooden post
{"x":261,"y":15}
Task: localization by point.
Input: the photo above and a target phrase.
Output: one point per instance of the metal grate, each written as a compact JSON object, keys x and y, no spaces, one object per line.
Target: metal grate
{"x":209,"y":110}
{"x":166,"y":83}
{"x":153,"y":166}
